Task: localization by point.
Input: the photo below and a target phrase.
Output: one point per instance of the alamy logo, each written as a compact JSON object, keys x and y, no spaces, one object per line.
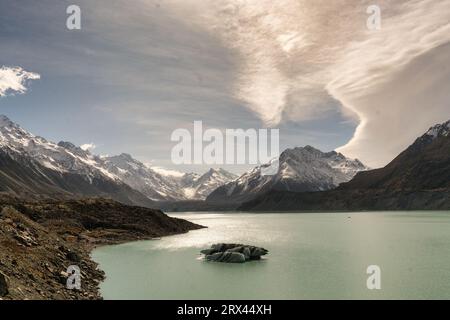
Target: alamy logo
{"x":233,"y":146}
{"x":73,"y":22}
{"x":74,"y":278}
{"x":374,"y":20}
{"x":374,"y":280}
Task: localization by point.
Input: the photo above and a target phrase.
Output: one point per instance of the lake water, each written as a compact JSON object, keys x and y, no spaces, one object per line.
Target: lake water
{"x":311,"y":256}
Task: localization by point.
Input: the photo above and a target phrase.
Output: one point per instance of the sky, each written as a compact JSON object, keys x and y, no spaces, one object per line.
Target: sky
{"x":137,"y":71}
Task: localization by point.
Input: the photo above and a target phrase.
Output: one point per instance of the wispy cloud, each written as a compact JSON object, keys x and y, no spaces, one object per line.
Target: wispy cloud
{"x":14,"y":79}
{"x":297,"y":57}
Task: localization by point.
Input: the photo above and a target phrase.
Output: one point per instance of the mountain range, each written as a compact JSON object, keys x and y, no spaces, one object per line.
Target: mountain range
{"x":164,"y":185}
{"x":417,"y":179}
{"x":31,"y":167}
{"x":299,"y":170}
{"x":305,"y":178}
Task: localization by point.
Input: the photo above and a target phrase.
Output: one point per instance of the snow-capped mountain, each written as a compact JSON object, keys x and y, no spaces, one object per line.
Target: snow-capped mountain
{"x":66,"y":159}
{"x":300,"y":169}
{"x":142,"y":178}
{"x":198,"y":187}
{"x":424,"y":165}
{"x":417,"y":179}
{"x":439,"y":130}
{"x":33,"y":167}
{"x":62,"y":157}
{"x":193,"y":186}
{"x":161,"y":184}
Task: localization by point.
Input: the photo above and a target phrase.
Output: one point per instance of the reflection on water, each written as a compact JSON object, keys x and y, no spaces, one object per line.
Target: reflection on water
{"x":317,"y":255}
{"x":223,"y":228}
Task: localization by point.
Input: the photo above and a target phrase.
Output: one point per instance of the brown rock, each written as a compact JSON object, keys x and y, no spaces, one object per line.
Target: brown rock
{"x":3,"y":284}
{"x":71,"y":239}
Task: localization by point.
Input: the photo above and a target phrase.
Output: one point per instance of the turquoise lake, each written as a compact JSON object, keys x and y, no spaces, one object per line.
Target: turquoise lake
{"x":311,"y":256}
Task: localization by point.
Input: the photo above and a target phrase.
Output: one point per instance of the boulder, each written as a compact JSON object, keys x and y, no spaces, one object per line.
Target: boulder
{"x":229,"y":257}
{"x":233,"y":253}
{"x":208,"y":251}
{"x":3,"y":284}
{"x":73,"y":256}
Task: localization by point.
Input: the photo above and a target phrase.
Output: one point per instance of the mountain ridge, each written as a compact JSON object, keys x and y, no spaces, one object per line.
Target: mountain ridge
{"x":300,"y":169}
{"x":417,"y":179}
{"x":63,"y":169}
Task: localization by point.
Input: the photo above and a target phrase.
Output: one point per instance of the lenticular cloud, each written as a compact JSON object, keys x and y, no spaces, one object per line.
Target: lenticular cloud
{"x":299,"y":58}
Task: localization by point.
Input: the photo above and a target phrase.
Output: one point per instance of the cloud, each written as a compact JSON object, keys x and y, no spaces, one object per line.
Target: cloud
{"x":166,"y":172}
{"x":293,"y":61}
{"x":299,"y":59}
{"x":396,"y":81}
{"x":14,"y":80}
{"x":287,"y":61}
{"x":88,"y":146}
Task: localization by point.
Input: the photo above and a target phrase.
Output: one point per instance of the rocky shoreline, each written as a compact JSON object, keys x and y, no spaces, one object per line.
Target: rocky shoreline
{"x":39,"y":240}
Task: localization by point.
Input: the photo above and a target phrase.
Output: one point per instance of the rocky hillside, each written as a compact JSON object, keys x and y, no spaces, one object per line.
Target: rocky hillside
{"x":425,"y":165}
{"x":300,"y":170}
{"x":39,"y":240}
{"x":33,"y":167}
{"x":142,"y":178}
{"x":417,"y":179}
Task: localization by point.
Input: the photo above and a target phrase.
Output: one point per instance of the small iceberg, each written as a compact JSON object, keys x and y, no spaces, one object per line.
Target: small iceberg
{"x":233,"y":253}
